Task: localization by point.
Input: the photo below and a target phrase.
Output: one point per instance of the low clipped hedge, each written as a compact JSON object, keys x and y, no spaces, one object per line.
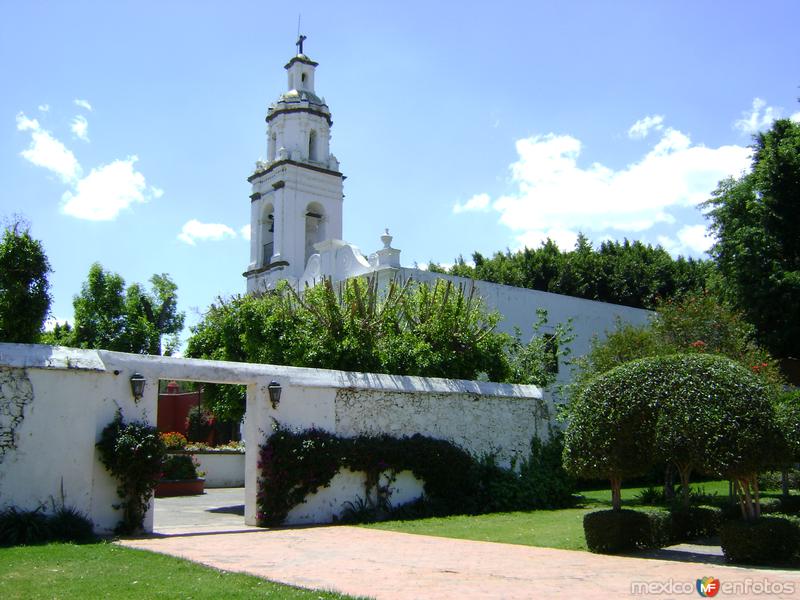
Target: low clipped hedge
{"x":613,"y":531}
{"x":766,"y":541}
{"x":695,"y":522}
{"x":610,"y":531}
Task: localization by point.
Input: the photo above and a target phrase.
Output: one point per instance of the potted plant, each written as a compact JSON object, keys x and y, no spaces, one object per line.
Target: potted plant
{"x":179,"y":474}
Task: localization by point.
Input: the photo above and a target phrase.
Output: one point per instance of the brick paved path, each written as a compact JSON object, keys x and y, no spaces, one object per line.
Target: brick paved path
{"x":390,"y":565}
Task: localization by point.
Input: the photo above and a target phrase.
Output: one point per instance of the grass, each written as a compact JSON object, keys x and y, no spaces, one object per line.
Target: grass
{"x":547,"y":528}
{"x":105,"y":570}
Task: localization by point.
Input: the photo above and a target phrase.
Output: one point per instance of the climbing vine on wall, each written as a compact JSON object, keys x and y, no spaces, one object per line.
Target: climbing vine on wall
{"x":133,"y":453}
{"x":295,"y":464}
{"x":16,"y":392}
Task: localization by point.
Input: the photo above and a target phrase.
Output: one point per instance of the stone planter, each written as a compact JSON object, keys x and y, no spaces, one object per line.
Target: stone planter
{"x":179,"y":487}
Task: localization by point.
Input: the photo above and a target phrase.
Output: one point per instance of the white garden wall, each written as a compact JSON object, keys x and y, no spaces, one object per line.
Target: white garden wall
{"x":54,"y":402}
{"x":222,"y":468}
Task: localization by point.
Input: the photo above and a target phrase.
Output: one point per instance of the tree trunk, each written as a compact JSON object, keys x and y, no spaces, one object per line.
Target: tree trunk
{"x":785,"y":483}
{"x":616,"y":494}
{"x":669,"y":482}
{"x":750,"y":505}
{"x":685,"y":472}
{"x":756,"y":496}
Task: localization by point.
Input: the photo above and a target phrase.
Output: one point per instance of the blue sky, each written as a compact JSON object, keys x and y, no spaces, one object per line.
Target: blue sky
{"x":460,"y":126}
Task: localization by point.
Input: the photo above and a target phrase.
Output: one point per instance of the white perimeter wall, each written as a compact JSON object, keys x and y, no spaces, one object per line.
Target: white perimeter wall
{"x":54,"y":402}
{"x":518,"y":308}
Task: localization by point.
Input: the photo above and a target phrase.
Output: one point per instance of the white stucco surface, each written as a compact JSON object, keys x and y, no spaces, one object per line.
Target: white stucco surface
{"x":222,"y":469}
{"x":54,"y":403}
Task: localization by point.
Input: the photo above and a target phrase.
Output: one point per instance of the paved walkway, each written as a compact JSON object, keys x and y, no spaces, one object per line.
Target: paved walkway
{"x":389,"y":565}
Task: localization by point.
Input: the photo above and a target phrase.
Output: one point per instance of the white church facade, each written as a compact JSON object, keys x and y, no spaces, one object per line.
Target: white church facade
{"x":296,"y":212}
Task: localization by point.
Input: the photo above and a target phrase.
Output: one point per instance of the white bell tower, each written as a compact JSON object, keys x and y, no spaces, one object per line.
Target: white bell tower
{"x":297,"y":193}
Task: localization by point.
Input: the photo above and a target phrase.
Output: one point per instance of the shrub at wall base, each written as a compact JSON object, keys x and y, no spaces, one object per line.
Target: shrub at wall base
{"x":133,"y":453}
{"x":294,"y":465}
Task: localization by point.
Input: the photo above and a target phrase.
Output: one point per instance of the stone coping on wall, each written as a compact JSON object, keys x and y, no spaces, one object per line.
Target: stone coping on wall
{"x":33,"y":356}
{"x":38,"y":356}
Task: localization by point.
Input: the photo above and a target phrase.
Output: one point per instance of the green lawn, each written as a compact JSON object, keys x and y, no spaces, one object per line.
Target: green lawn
{"x":108,"y":571}
{"x":549,"y":528}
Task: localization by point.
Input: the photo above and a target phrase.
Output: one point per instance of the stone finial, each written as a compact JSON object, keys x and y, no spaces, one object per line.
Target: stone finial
{"x":387,"y":240}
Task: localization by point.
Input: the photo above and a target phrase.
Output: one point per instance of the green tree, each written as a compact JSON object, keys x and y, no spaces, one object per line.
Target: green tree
{"x":756,"y":219}
{"x":24,"y":289}
{"x":699,"y":412}
{"x":111,"y":317}
{"x":537,"y":362}
{"x":629,"y":273}
{"x":610,"y":430}
{"x":439,"y":330}
{"x":694,"y":323}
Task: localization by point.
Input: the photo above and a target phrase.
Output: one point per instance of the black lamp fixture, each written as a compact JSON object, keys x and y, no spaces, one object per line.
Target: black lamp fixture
{"x":274,"y":389}
{"x":137,"y":385}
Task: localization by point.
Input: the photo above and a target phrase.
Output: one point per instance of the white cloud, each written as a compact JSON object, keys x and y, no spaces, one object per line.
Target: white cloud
{"x":245,"y":232}
{"x":80,"y":127}
{"x":156,"y":192}
{"x":565,"y":239}
{"x":479,"y":202}
{"x":759,"y":117}
{"x":795,"y":117}
{"x":26,"y":124}
{"x":642,"y":127}
{"x":693,"y":240}
{"x":555,"y":196}
{"x":106,"y":191}
{"x":44,"y":107}
{"x":48,"y":152}
{"x":83,"y":104}
{"x":194,"y":230}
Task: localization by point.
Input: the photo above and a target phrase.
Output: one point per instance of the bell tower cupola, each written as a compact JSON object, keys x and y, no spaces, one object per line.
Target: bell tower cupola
{"x":296,"y":199}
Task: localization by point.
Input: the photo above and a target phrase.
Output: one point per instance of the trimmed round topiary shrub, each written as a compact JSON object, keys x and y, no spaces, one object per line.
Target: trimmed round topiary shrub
{"x":765,"y":541}
{"x":613,"y":531}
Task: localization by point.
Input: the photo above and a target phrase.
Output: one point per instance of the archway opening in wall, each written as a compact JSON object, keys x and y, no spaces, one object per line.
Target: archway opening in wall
{"x":202,"y":484}
{"x":312,"y":146}
{"x":315,"y":228}
{"x":267,"y":235}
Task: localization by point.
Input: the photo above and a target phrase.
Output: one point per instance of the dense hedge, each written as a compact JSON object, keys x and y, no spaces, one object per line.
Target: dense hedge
{"x":767,"y":541}
{"x":294,"y":465}
{"x":612,"y":531}
{"x":695,"y":522}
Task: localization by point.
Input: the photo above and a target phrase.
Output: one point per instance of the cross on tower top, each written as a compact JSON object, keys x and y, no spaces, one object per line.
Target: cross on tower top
{"x":299,"y":43}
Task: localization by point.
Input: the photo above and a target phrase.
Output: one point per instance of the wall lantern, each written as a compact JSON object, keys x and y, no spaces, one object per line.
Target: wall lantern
{"x":274,"y":389}
{"x":137,"y":385}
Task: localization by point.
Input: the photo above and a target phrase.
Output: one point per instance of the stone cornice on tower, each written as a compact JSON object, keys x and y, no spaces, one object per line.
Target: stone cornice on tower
{"x":258,"y":174}
{"x":301,"y":58}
